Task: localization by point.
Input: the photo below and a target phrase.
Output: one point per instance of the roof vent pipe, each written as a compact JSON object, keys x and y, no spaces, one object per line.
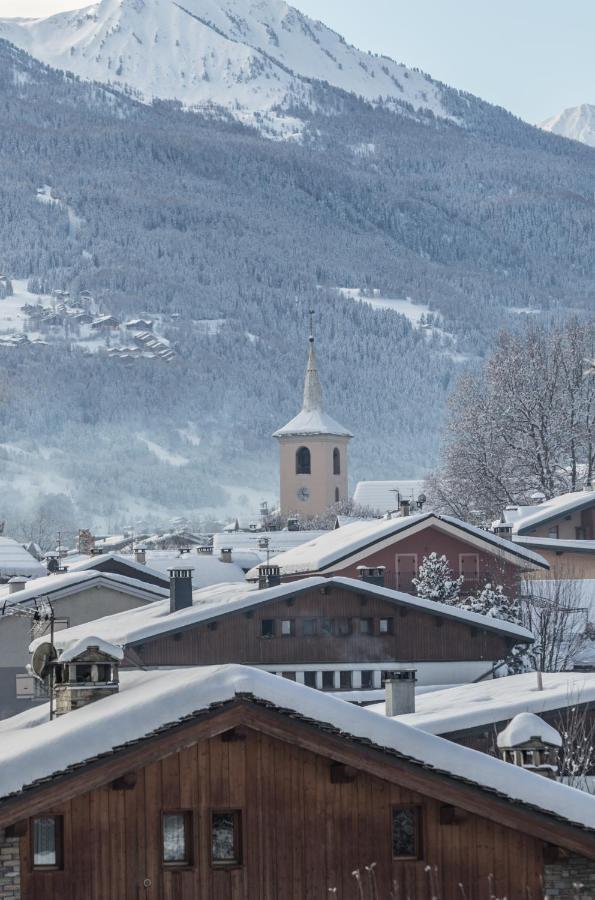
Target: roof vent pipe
{"x":400,"y":692}
{"x":180,"y":588}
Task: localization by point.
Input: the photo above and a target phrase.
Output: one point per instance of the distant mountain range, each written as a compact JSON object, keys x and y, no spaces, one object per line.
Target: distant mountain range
{"x":448,"y":216}
{"x":256,"y":59}
{"x":577,"y":123}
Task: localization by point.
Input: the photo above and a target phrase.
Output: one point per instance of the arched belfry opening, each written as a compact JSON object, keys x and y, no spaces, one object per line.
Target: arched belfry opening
{"x":336,"y":461}
{"x":303,"y":461}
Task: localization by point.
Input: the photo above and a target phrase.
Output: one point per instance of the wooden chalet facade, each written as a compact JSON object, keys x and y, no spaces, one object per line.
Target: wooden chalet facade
{"x":252,"y":799}
{"x":333,"y":634}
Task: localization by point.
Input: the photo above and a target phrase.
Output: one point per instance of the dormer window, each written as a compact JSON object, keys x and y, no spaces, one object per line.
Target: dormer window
{"x":303,"y":463}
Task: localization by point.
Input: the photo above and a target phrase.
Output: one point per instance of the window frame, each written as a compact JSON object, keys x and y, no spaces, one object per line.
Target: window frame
{"x":308,"y":677}
{"x":369,"y":628}
{"x":291,"y":632}
{"x":325,"y":677}
{"x":418,"y":814}
{"x":58,"y":866}
{"x":474,"y":577}
{"x":390,"y":625}
{"x":314,"y":626}
{"x":267,"y":637}
{"x":188,"y":817}
{"x":237,"y":862}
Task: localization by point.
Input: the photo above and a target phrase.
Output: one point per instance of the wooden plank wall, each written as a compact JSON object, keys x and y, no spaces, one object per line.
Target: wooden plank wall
{"x":302,"y":835}
{"x":237,"y":637}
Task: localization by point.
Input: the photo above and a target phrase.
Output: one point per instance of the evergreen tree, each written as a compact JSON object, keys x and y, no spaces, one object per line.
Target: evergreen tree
{"x":436,"y":581}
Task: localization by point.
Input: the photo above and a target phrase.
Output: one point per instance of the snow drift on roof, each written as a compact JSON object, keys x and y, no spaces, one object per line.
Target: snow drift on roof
{"x":15,"y":560}
{"x":312,"y":422}
{"x":85,"y":644}
{"x":32,"y":749}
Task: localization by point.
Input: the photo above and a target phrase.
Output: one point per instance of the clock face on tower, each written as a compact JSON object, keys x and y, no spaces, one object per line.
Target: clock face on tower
{"x":303,"y":494}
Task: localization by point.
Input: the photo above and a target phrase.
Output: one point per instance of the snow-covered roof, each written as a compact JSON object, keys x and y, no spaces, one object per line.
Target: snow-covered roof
{"x":209,"y":603}
{"x":499,"y":700}
{"x":525,"y":727}
{"x":383,"y":496}
{"x":91,"y":562}
{"x":312,"y":420}
{"x":348,"y":542}
{"x":526,"y":518}
{"x":33,"y":748}
{"x":207,"y":570}
{"x":15,"y":560}
{"x":75,"y":650}
{"x":248,"y":541}
{"x":72,"y":582}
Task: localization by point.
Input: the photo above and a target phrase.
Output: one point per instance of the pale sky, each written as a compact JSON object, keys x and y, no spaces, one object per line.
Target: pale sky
{"x":535,"y":57}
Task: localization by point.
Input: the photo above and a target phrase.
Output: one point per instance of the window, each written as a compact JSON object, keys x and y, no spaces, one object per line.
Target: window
{"x":309,"y":627}
{"x":342,"y":627}
{"x":310,"y":679}
{"x":366,"y":626}
{"x":328,"y":681}
{"x":385,"y":626}
{"x":291,"y":676}
{"x":326,"y":627}
{"x":287,"y":627}
{"x":579,"y":533}
{"x":177,"y":838}
{"x":46,"y":834}
{"x":336,"y":462}
{"x":469,"y":566}
{"x":367,"y":680}
{"x":406,"y":832}
{"x":553,"y":532}
{"x":226,"y":838}
{"x":346,"y":681}
{"x":303,"y":464}
{"x":267,"y":628}
{"x":337,"y":495}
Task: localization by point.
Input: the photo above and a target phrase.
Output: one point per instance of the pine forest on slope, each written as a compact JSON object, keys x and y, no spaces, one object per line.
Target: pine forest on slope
{"x":198,"y":217}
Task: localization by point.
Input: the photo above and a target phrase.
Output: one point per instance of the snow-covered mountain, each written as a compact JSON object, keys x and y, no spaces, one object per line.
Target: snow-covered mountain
{"x":249,"y":56}
{"x":577,"y":123}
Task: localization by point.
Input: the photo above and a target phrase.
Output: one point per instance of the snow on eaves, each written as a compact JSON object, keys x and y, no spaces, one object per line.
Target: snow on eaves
{"x":34,"y":749}
{"x":312,"y":422}
{"x":155,"y":619}
{"x":524,"y":519}
{"x":56,"y":586}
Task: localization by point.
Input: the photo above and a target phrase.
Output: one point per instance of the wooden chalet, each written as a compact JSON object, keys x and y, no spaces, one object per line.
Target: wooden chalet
{"x":229,"y":784}
{"x":399,"y":545}
{"x":335,"y":634}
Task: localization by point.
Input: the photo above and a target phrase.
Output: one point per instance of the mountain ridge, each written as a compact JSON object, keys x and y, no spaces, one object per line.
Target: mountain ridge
{"x":251,"y":57}
{"x":576,"y":123}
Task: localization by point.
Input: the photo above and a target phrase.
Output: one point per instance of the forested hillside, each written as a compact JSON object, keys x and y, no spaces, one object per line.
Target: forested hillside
{"x":205,"y":219}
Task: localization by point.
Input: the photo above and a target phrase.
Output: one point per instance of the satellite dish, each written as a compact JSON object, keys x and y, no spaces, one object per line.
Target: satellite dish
{"x":43,"y":657}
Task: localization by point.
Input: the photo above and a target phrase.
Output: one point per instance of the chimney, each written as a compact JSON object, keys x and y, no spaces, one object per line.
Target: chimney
{"x":529,"y":742}
{"x":400,"y":692}
{"x":372,"y":574}
{"x":268,"y":576}
{"x":140,"y":556}
{"x":225,"y":554}
{"x":180,"y":588}
{"x":405,"y":506}
{"x":84,"y":674}
{"x":16,"y":584}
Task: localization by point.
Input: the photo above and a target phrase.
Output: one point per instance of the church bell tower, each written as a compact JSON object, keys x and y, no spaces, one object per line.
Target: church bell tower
{"x":313,"y":453}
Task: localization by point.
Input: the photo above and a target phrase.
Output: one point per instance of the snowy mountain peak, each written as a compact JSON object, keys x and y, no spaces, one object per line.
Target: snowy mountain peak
{"x":251,"y":57}
{"x":577,"y":122}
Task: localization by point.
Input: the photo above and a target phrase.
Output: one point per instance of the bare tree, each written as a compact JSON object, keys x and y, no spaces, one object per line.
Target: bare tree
{"x":524,"y":424}
{"x":554,"y":611}
{"x":576,"y":759}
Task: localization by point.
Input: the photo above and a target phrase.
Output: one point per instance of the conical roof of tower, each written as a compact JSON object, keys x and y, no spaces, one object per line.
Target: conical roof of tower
{"x":312,"y":420}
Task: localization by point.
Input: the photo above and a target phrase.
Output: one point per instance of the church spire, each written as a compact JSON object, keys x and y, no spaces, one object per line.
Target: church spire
{"x":312,"y":386}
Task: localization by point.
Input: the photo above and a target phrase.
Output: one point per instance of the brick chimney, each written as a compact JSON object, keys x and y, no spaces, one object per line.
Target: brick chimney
{"x":180,"y":588}
{"x":400,"y":692}
{"x":226,"y":554}
{"x":372,"y":574}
